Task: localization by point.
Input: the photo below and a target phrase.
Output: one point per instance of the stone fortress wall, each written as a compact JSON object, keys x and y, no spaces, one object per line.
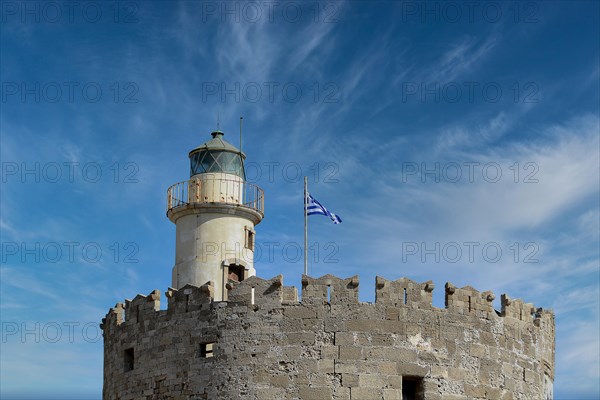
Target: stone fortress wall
{"x":262,"y":343}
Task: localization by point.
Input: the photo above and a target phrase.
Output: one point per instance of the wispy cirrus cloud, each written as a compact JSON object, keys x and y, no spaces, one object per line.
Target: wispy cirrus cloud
{"x":11,"y":276}
{"x":461,"y":57}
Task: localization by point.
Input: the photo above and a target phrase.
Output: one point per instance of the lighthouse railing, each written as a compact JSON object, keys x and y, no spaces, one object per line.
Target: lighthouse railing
{"x":208,"y":190}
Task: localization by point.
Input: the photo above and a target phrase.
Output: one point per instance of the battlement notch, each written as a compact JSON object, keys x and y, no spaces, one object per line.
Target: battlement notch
{"x":256,"y":291}
{"x":190,"y":298}
{"x":329,"y":289}
{"x":403,"y":292}
{"x":467,"y":300}
{"x":142,"y":306}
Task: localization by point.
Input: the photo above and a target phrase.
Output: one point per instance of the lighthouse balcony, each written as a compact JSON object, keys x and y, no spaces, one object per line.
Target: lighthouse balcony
{"x":207,"y":189}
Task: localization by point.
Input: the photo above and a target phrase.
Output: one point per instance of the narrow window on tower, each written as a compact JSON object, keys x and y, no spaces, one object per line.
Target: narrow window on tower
{"x":249,"y":242}
{"x":412,"y":388}
{"x":206,"y":350}
{"x":128,"y":359}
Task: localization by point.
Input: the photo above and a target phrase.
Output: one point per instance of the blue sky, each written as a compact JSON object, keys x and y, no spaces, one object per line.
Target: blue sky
{"x":458,"y":141}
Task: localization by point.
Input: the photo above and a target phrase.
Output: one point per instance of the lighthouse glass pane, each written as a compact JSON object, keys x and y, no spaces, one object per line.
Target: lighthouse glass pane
{"x":229,"y":162}
{"x":207,"y":162}
{"x":216,"y":161}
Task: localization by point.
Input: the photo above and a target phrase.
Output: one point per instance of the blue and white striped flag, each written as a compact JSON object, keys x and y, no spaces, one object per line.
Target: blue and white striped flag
{"x":314,"y":207}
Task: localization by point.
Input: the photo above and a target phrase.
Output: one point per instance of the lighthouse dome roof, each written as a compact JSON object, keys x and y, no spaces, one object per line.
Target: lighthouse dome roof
{"x":217,"y":143}
{"x":217,"y":156}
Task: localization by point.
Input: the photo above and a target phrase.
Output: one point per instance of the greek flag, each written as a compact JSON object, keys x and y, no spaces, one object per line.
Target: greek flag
{"x":314,"y":207}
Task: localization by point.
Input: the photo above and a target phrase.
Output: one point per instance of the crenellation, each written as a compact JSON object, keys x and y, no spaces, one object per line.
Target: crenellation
{"x":114,"y":317}
{"x":257,"y":291}
{"x":190,"y":298}
{"x":329,"y":289}
{"x":516,"y":308}
{"x":467,"y":300}
{"x":404,"y":292}
{"x":290,"y":295}
{"x":263,"y":342}
{"x":142,"y":306}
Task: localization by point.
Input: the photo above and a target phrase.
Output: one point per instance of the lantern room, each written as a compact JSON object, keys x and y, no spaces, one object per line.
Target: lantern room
{"x":217,"y":156}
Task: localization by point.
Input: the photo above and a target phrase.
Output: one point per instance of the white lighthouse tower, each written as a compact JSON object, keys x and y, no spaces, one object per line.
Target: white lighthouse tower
{"x":215,"y":213}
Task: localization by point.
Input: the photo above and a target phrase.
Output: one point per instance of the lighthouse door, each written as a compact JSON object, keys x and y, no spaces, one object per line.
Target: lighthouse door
{"x":236,"y":273}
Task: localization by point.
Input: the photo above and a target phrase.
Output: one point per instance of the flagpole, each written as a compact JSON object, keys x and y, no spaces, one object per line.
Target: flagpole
{"x":305,"y":227}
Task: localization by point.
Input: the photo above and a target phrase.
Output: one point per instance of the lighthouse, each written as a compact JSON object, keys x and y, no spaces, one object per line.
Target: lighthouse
{"x":215,"y":213}
{"x":217,"y":337}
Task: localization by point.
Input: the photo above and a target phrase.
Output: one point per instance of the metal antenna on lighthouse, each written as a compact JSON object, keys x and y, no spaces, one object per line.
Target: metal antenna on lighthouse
{"x":241,"y":122}
{"x":241,"y":157}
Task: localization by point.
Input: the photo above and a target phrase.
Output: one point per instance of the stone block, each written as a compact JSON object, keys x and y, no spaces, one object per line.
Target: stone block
{"x":530,"y":376}
{"x":341,"y":393}
{"x":361,"y":325}
{"x":350,"y":353}
{"x":280,"y":381}
{"x":326,"y":366}
{"x":387,"y":367}
{"x":439,"y":371}
{"x":395,"y":381}
{"x":392,"y":394}
{"x":457,"y":374}
{"x":350,"y":380}
{"x":366,"y":393}
{"x":311,"y":393}
{"x":304,"y":338}
{"x":330,"y":352}
{"x":341,"y":367}
{"x":299,"y":312}
{"x":371,"y":381}
{"x":477,"y":392}
{"x":263,"y":393}
{"x":412,"y":370}
{"x":344,"y":339}
{"x":477,"y":350}
{"x":401,"y":355}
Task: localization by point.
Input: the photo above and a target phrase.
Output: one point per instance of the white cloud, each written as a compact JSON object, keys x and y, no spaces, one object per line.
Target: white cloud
{"x":460,"y":58}
{"x":577,"y":364}
{"x":25,"y":283}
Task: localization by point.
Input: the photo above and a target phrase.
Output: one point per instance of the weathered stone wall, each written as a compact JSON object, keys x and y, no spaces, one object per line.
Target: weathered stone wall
{"x":264,"y":344}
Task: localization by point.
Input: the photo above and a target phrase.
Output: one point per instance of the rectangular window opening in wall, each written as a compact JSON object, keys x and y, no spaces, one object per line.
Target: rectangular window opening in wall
{"x":249,"y":242}
{"x":236,"y":273}
{"x":128,"y":359}
{"x":412,"y":388}
{"x":206,"y":350}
